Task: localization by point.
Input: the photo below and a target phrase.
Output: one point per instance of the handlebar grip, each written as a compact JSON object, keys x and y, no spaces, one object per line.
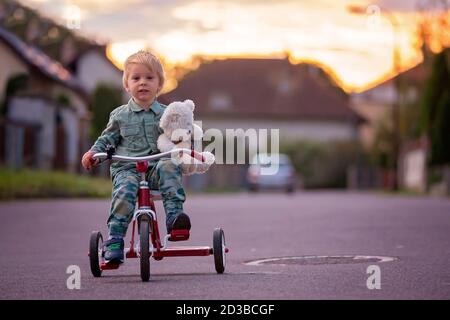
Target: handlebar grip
{"x":197,"y":155}
{"x":110,"y":151}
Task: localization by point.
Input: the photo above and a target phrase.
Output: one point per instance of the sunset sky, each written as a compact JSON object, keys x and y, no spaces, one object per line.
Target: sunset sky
{"x":357,"y":48}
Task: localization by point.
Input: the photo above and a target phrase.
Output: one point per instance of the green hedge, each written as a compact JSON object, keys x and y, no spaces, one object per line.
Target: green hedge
{"x":324,"y":164}
{"x":15,"y":184}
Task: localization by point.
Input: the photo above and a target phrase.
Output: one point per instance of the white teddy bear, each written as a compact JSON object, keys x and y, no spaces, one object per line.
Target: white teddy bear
{"x":179,"y":129}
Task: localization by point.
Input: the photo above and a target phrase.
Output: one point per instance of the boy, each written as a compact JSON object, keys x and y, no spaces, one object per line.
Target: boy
{"x":134,"y":129}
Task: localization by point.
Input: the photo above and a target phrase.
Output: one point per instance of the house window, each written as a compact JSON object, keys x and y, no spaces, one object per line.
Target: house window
{"x":219,"y":101}
{"x":284,"y":86}
{"x":2,"y":10}
{"x":19,"y":15}
{"x":411,"y":95}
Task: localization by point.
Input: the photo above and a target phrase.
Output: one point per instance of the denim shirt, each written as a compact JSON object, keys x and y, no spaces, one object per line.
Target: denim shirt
{"x":133,"y":131}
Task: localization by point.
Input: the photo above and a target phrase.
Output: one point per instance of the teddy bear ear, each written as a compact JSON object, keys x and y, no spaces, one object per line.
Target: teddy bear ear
{"x":190,"y":103}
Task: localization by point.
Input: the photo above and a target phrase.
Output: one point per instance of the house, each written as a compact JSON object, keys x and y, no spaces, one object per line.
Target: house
{"x":301,"y":101}
{"x":84,"y":57}
{"x":375,"y":104}
{"x":45,"y":118}
{"x":93,"y":68}
{"x":63,"y":69}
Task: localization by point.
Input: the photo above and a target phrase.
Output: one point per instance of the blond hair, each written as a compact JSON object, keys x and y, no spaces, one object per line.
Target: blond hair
{"x":149,"y":60}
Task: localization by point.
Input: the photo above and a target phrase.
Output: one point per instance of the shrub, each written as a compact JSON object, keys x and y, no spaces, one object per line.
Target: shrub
{"x":27,"y":183}
{"x":323,"y":165}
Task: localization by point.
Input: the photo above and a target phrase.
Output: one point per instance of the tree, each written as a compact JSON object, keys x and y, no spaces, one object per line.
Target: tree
{"x":433,"y":26}
{"x":435,"y":87}
{"x":381,"y":152}
{"x":435,"y":114}
{"x":104,"y":99}
{"x":440,"y":132}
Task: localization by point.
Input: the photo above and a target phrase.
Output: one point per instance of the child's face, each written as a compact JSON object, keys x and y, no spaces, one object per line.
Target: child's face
{"x":143,"y":84}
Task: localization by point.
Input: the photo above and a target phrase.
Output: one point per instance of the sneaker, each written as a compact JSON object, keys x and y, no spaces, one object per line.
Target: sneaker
{"x":181,"y":222}
{"x":113,"y":250}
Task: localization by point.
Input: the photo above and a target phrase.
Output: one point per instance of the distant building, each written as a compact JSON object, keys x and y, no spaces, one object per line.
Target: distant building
{"x":375,"y":104}
{"x":46,"y":124}
{"x":300,"y":100}
{"x":85,"y":57}
{"x":93,"y":68}
{"x":45,"y":118}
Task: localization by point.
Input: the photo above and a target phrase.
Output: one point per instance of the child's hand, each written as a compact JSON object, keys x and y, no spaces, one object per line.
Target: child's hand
{"x":88,"y":161}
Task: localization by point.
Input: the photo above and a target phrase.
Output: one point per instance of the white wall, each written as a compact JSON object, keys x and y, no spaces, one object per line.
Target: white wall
{"x":93,"y":69}
{"x":375,"y":113}
{"x":382,"y":94}
{"x":71,"y":126}
{"x":291,"y":130}
{"x":43,"y":113}
{"x":34,"y":111}
{"x":415,"y":168}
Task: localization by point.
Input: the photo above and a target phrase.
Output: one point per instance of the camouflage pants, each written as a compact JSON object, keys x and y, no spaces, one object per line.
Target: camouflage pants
{"x":165,"y":176}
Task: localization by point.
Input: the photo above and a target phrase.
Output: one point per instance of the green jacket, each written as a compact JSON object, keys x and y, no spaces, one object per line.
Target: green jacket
{"x":133,"y":131}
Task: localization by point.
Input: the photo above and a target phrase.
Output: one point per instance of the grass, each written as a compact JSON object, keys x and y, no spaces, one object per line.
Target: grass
{"x":25,"y":183}
{"x":406,"y":193}
{"x":222,"y":190}
{"x":28,"y":184}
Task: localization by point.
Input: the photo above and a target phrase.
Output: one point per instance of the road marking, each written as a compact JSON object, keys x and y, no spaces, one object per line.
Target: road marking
{"x":357,"y":258}
{"x":257,"y":272}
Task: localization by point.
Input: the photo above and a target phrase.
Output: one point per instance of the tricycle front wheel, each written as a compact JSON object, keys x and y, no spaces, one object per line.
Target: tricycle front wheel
{"x":144,"y":239}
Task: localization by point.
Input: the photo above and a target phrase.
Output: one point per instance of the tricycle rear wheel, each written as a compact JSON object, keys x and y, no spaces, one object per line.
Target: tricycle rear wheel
{"x":219,"y":250}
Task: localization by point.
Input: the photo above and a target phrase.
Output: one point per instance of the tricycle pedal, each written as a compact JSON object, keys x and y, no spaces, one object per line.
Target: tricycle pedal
{"x":179,"y":235}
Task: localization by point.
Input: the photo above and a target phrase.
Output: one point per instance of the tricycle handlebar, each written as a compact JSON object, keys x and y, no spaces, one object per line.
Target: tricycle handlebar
{"x":173,"y":152}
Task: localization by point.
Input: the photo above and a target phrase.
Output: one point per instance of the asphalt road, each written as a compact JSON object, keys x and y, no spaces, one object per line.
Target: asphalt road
{"x":40,"y":239}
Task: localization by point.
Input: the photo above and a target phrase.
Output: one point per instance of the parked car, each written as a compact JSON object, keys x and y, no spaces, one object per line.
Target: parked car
{"x":283,"y":179}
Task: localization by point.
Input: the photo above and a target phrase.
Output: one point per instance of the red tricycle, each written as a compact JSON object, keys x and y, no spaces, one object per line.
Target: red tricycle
{"x":148,"y":243}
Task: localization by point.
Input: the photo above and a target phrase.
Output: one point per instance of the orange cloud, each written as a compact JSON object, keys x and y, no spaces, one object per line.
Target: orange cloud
{"x":358,"y":48}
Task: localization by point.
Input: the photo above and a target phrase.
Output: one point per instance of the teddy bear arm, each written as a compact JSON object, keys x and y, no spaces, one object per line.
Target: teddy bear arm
{"x":164,"y":144}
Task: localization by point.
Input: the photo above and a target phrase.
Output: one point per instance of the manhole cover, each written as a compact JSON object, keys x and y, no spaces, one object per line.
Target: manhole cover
{"x":316,"y":260}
